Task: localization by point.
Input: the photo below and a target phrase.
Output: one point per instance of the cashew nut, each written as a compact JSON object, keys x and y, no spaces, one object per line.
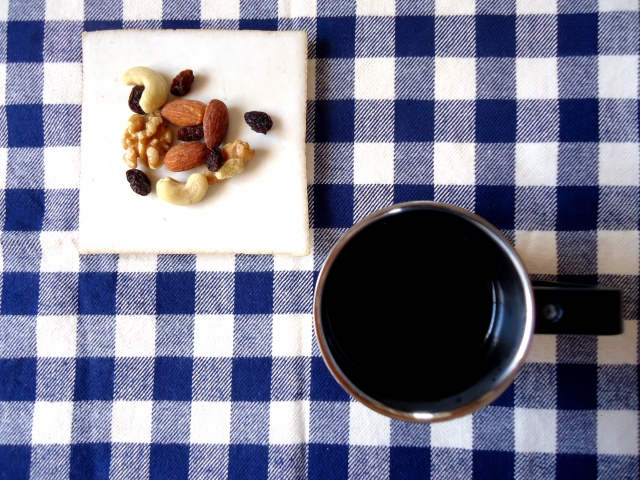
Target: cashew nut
{"x":178,"y":193}
{"x":156,"y":90}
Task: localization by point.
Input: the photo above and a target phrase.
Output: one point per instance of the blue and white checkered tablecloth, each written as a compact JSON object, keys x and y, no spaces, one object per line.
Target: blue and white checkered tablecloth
{"x":204,"y":366}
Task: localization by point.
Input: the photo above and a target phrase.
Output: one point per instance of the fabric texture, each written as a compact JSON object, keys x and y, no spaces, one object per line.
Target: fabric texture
{"x":195,"y":366}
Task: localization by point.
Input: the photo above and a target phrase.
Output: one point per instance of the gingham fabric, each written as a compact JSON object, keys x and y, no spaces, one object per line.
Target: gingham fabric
{"x":203,"y":367}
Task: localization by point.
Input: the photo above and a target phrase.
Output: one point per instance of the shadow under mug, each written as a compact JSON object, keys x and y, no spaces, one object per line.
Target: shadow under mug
{"x":424,"y":312}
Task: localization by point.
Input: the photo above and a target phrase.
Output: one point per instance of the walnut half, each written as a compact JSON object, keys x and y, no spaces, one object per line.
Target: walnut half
{"x":147,"y":140}
{"x":236,"y":155}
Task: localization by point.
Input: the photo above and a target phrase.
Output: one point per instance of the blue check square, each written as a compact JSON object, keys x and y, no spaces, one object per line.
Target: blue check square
{"x":20,"y":293}
{"x":415,"y":36}
{"x":328,"y":462}
{"x":15,"y":461}
{"x":577,"y":387}
{"x":407,"y":462}
{"x":489,"y":465}
{"x":172,"y":378}
{"x":169,"y":461}
{"x":94,"y":378}
{"x":25,"y":126}
{"x":24,"y":41}
{"x":496,"y":121}
{"x":496,"y":35}
{"x":253,"y":24}
{"x":90,"y":460}
{"x":323,"y":385}
{"x":410,"y":193}
{"x":579,"y":120}
{"x":253,"y":293}
{"x":334,"y":120}
{"x":248,"y":462}
{"x":175,"y":292}
{"x":97,"y":293}
{"x":25,"y":210}
{"x":578,"y":34}
{"x":18,"y":379}
{"x":333,"y":206}
{"x":414,"y":120}
{"x":251,"y":379}
{"x":497,"y":203}
{"x":577,"y":208}
{"x":336,"y":37}
{"x":572,"y":466}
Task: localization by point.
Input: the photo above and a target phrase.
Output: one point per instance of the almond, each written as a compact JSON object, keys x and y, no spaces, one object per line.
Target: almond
{"x":186,"y":156}
{"x":215,"y":123}
{"x":184,"y":112}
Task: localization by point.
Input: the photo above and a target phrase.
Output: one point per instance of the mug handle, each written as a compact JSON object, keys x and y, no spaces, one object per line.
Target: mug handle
{"x":571,"y":309}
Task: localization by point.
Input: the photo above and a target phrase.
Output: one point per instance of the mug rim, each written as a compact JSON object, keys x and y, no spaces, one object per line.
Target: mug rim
{"x":514,"y":365}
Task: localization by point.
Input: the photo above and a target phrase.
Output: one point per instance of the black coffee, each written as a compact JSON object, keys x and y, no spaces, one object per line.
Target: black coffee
{"x":409,"y":307}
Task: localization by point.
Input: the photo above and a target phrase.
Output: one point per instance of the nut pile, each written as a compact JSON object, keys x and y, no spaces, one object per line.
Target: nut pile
{"x":148,"y":140}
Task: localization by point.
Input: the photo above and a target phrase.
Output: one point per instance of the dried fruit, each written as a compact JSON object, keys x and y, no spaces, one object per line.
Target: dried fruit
{"x":215,"y":160}
{"x":139,"y":182}
{"x":215,"y":123}
{"x":258,"y":121}
{"x":134,"y":99}
{"x":186,"y":156}
{"x":181,"y":85}
{"x":190,"y":133}
{"x":147,"y":141}
{"x":184,"y":112}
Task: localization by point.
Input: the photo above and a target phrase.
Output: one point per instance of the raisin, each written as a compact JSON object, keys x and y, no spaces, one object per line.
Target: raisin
{"x":181,"y":85}
{"x":215,"y":160}
{"x":258,"y":121}
{"x":139,"y":182}
{"x":134,"y":99}
{"x":190,"y":133}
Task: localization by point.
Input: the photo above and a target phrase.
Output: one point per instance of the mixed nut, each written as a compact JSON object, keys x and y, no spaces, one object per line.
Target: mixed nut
{"x":148,"y":140}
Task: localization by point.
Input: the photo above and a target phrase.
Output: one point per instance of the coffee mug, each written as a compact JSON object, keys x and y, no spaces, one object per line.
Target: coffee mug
{"x":424,"y":311}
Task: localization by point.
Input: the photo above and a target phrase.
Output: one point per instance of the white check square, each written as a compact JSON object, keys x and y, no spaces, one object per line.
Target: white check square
{"x":536,"y":164}
{"x":3,"y":82}
{"x":4,"y":158}
{"x":456,"y":433}
{"x":536,"y":78}
{"x":62,"y":83}
{"x":454,"y":164}
{"x":297,"y":8}
{"x":618,"y":76}
{"x":535,"y":430}
{"x":618,"y":164}
{"x":543,"y":349}
{"x":217,"y":10}
{"x":211,"y":422}
{"x":289,"y":422}
{"x":619,"y":349}
{"x":538,"y":250}
{"x":617,"y":432}
{"x":373,"y":163}
{"x":61,"y":167}
{"x":215,"y":262}
{"x":59,"y":251}
{"x":213,"y":336}
{"x":131,"y":422}
{"x":135,"y":335}
{"x":375,"y":7}
{"x":147,"y":10}
{"x":367,"y":427}
{"x":536,"y":7}
{"x":137,"y":262}
{"x":617,"y":5}
{"x":374,"y":78}
{"x":455,"y":7}
{"x":56,"y":336}
{"x":67,"y":10}
{"x":618,"y":252}
{"x":283,"y":262}
{"x":52,"y":423}
{"x":292,"y":335}
{"x":455,"y":78}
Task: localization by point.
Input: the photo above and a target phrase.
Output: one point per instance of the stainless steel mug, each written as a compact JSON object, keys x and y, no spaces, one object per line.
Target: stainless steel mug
{"x":424,"y":311}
